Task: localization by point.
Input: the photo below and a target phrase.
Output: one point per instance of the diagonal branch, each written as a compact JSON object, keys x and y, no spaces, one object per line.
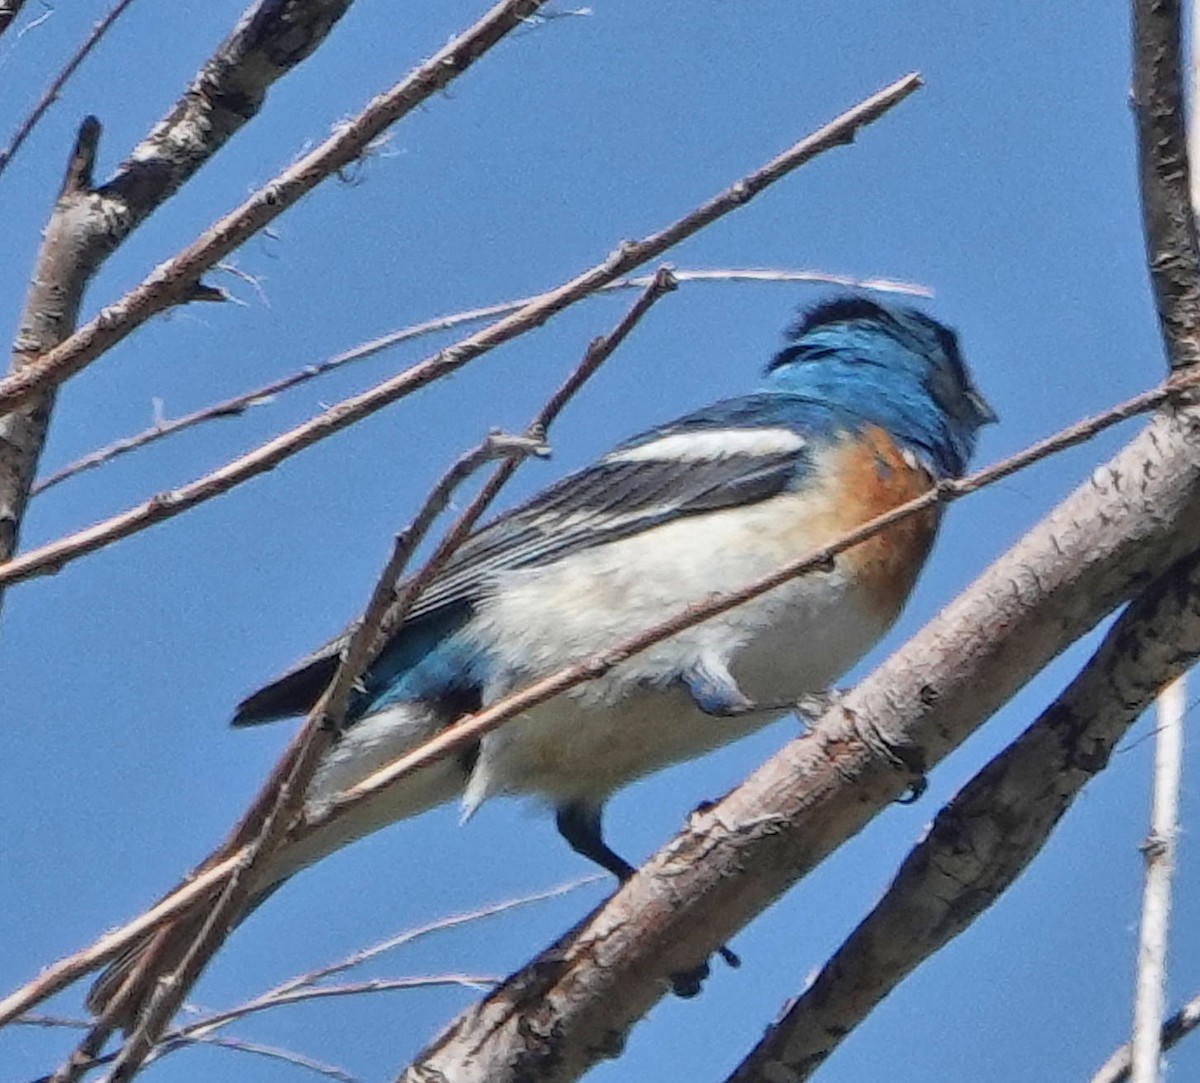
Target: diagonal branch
{"x":239,"y":404}
{"x":170,"y":283}
{"x":1130,"y":520}
{"x":265,"y":825}
{"x":278,"y":805}
{"x":1182,"y":1023}
{"x":991,"y":830}
{"x":203,"y":882}
{"x":626,"y":258}
{"x":60,"y":80}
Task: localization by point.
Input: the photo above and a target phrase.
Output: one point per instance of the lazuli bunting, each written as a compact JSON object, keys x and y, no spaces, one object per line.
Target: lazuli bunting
{"x":868,"y":406}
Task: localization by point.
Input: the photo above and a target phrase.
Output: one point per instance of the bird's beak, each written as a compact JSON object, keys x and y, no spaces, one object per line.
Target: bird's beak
{"x":986,"y":415}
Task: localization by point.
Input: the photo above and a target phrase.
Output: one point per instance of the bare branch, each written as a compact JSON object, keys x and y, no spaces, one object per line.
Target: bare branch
{"x":238,"y":1045}
{"x":740,"y":854}
{"x":1172,"y":250}
{"x":1159,"y":852}
{"x":222,"y":865}
{"x":60,"y":80}
{"x":1182,"y":1023}
{"x":88,"y":224}
{"x":271,"y":815}
{"x":61,"y":974}
{"x":625,"y":259}
{"x":202,"y":883}
{"x":239,"y":404}
{"x":986,"y":836}
{"x":272,"y":996}
{"x":50,"y":310}
{"x":169,"y":283}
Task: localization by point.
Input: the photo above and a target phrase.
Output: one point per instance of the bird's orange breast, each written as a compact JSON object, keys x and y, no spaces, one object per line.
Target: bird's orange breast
{"x":873,"y":476}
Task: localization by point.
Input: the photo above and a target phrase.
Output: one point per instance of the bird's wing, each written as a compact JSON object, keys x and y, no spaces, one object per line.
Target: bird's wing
{"x":707,"y":461}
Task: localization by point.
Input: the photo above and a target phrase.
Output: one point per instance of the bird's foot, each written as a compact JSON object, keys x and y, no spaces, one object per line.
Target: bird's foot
{"x":688,"y":983}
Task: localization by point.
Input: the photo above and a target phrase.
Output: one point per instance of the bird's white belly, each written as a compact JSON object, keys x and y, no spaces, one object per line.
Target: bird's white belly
{"x":795,"y":641}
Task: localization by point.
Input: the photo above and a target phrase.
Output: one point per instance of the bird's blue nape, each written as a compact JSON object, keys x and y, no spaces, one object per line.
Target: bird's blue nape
{"x":890,"y":366}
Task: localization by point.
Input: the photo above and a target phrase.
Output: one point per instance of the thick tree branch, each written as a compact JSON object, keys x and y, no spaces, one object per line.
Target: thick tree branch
{"x":626,"y":258}
{"x":51,"y":308}
{"x":1172,"y":250}
{"x":1130,"y":520}
{"x":992,"y":829}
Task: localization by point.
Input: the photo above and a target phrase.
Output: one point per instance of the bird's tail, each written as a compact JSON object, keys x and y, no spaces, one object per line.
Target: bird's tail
{"x":129,"y":981}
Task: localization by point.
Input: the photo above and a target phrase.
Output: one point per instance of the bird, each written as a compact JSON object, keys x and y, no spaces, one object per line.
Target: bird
{"x":867,"y":406}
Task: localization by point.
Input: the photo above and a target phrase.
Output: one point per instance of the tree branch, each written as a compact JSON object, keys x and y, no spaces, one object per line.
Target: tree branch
{"x":626,"y":258}
{"x":1128,"y":521}
{"x":170,"y":282}
{"x":1159,"y":852}
{"x":986,"y":836}
{"x":1182,"y":1023}
{"x":1172,"y":250}
{"x":88,"y":224}
{"x":60,"y":80}
{"x":166,"y":973}
{"x":202,"y":883}
{"x":265,"y":825}
{"x":50,"y":310}
{"x":239,"y":404}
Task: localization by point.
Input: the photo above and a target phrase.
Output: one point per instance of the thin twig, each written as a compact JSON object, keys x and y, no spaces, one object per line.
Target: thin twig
{"x":274,"y":1052}
{"x":169,"y":283}
{"x":1182,"y":1023}
{"x":291,"y":990}
{"x":239,"y":404}
{"x":201,"y":884}
{"x":221,"y":1041}
{"x":55,"y":88}
{"x":626,"y":258}
{"x":1159,"y":851}
{"x":319,"y":992}
{"x":275,"y":808}
{"x":272,"y":996}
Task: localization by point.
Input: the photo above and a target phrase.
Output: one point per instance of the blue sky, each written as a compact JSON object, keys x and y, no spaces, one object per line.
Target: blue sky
{"x":1007,"y":186}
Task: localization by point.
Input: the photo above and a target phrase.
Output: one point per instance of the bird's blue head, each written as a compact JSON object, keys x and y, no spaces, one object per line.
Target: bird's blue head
{"x":887,"y":365}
